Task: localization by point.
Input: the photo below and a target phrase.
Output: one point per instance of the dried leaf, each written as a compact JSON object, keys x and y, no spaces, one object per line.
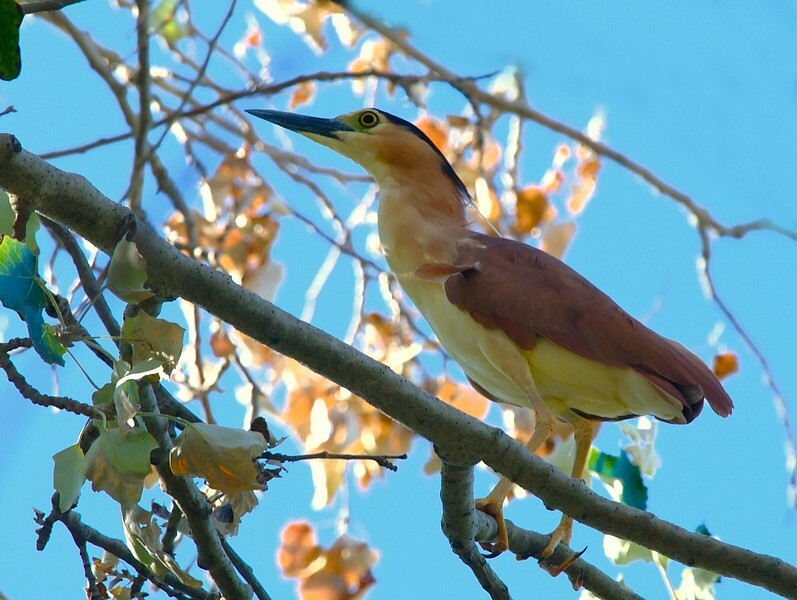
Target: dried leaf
{"x":342,"y":572}
{"x":463,"y":397}
{"x":118,"y":465}
{"x":304,"y":18}
{"x":725,"y":364}
{"x":435,"y":131}
{"x":304,"y":94}
{"x":374,"y":56}
{"x":530,"y":209}
{"x":223,"y":456}
{"x":298,"y":548}
{"x":326,"y":417}
{"x":220,"y":343}
{"x":151,"y":337}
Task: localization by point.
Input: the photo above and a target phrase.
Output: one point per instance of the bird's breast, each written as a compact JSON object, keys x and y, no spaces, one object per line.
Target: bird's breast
{"x":465,"y":340}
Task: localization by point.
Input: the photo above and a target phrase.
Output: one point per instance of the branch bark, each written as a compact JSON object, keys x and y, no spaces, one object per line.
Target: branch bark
{"x":71,"y":200}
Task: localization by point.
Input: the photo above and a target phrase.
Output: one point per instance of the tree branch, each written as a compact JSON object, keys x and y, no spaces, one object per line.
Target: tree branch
{"x":210,"y":553}
{"x":383,"y":460}
{"x":459,"y":526}
{"x":28,"y":391}
{"x":73,"y":201}
{"x":80,"y":531}
{"x":464,"y":525}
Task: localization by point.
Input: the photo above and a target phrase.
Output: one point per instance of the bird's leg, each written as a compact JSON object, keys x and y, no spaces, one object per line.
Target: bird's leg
{"x":493,"y":504}
{"x":584,"y":433}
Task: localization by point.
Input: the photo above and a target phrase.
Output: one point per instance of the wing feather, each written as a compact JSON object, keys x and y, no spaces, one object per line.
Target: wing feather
{"x":529,"y":294}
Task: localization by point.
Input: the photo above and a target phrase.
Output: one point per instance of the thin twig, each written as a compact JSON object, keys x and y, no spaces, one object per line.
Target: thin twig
{"x":91,"y":286}
{"x":169,"y":584}
{"x":781,"y":407}
{"x":31,"y":393}
{"x":144,"y":120}
{"x":383,"y":460}
{"x":200,"y":74}
{"x":245,"y":570}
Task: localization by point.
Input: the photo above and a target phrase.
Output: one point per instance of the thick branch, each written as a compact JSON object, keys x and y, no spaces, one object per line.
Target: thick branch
{"x":71,"y":200}
{"x":210,"y":553}
{"x":463,"y":525}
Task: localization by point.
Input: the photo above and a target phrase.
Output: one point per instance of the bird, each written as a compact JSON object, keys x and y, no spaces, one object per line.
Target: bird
{"x":526,"y":329}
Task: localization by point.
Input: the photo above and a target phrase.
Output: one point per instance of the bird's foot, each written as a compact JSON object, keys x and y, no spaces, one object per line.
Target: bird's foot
{"x":494,"y":508}
{"x":561,"y":534}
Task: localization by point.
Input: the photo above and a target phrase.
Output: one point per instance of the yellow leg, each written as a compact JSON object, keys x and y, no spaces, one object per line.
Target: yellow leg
{"x":504,"y":355}
{"x":493,"y":504}
{"x":584,"y":433}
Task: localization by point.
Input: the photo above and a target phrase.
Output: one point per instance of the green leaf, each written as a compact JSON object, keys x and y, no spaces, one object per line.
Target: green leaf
{"x":165,"y":22}
{"x":127,"y":273}
{"x":7,"y":218}
{"x":104,"y":395}
{"x":126,"y":402}
{"x":22,"y":291}
{"x":703,"y":529}
{"x":11,"y":16}
{"x":7,"y":214}
{"x":144,"y":369}
{"x":117,"y":464}
{"x":620,"y":469}
{"x":154,"y":338}
{"x":69,"y":475}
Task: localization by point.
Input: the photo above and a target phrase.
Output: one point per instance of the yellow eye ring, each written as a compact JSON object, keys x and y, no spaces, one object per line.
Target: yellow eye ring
{"x":367,"y":119}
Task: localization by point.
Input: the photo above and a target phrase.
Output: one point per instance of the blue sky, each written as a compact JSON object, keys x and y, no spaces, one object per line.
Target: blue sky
{"x":702,"y":93}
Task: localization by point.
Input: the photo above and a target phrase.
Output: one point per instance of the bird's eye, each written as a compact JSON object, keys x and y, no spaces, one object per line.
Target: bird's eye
{"x":368,"y":119}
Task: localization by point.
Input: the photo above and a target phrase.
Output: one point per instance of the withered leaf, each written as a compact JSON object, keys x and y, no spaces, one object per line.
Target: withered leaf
{"x":151,"y":337}
{"x":118,"y":465}
{"x":725,"y":364}
{"x":223,"y":456}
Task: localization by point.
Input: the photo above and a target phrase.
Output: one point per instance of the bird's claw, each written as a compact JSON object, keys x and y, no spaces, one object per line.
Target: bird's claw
{"x":561,"y":534}
{"x":496,"y":511}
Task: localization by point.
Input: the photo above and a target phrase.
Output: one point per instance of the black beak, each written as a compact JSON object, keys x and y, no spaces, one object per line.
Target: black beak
{"x":301,"y":123}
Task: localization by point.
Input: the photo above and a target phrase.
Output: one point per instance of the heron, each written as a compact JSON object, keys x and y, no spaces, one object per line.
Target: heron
{"x":526,"y":329}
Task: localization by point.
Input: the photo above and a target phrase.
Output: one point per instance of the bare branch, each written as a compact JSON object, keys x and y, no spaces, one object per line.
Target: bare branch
{"x":90,"y":284}
{"x":459,"y":526}
{"x":246,"y":571}
{"x":470,"y":89}
{"x":781,"y":408}
{"x":383,"y":460}
{"x":170,"y":584}
{"x":31,"y":393}
{"x":463,"y":525}
{"x":197,"y":511}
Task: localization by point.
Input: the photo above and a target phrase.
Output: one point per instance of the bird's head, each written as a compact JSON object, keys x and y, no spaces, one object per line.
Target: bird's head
{"x":388,"y":147}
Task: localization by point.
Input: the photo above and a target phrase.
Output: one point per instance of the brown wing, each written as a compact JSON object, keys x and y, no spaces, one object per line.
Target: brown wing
{"x":529,"y":294}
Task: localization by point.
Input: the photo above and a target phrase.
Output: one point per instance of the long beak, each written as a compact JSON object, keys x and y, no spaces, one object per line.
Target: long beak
{"x":303,"y":124}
